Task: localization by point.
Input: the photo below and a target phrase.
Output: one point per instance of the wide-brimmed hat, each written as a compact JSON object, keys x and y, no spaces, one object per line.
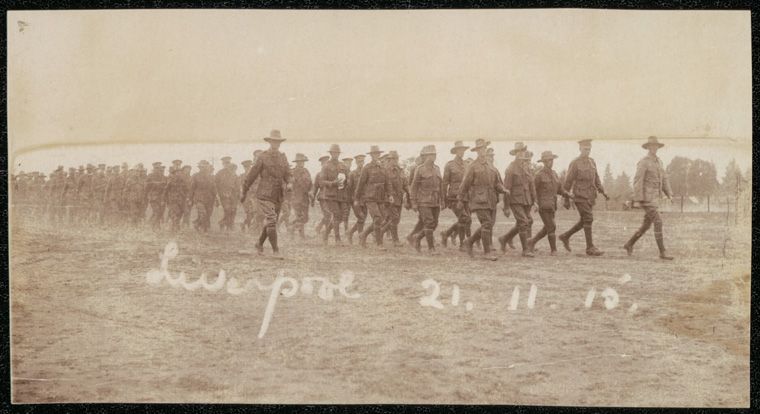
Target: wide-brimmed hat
{"x":90,"y":167}
{"x":246,"y":162}
{"x":156,"y":164}
{"x":374,"y":149}
{"x":187,"y":167}
{"x":347,"y":159}
{"x":257,"y":152}
{"x":360,"y":157}
{"x":393,"y":154}
{"x":300,"y":157}
{"x":519,"y":147}
{"x":458,"y":145}
{"x":203,"y":163}
{"x":585,"y":142}
{"x":334,"y":148}
{"x":177,"y":162}
{"x":274,"y":135}
{"x":428,"y":150}
{"x":480,"y":143}
{"x":324,"y":158}
{"x":652,"y":141}
{"x":547,"y":155}
{"x":226,"y":159}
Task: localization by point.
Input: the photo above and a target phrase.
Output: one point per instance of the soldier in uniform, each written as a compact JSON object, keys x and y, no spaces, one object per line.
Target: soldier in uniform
{"x":548,"y":187}
{"x":318,"y":195}
{"x":417,"y":226}
{"x":373,"y":189}
{"x":478,"y":193}
{"x":228,"y":189}
{"x":649,"y":184}
{"x":203,"y":196}
{"x":248,"y":204}
{"x":360,"y":210}
{"x":273,"y":171}
{"x":301,"y":187}
{"x":154,"y":187}
{"x":453,"y":173}
{"x":583,"y":179}
{"x":333,"y":180}
{"x":507,"y":239}
{"x":175,"y":196}
{"x":258,"y":219}
{"x":187,"y":181}
{"x":399,"y":190}
{"x":345,"y":195}
{"x":427,"y":197}
{"x":518,"y":181}
{"x":134,"y":194}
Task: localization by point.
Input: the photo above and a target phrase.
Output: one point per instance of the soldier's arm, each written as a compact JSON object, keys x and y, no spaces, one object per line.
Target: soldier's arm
{"x":508,"y":183}
{"x":638,"y":181}
{"x":665,"y":181}
{"x":464,"y":187}
{"x":570,"y":177}
{"x":446,"y":181}
{"x":598,"y":181}
{"x":388,"y":185}
{"x":253,"y":174}
{"x":327,"y":183}
{"x":413,"y":187}
{"x":360,"y":185}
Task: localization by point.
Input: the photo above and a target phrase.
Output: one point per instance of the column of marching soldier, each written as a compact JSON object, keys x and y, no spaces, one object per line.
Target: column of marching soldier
{"x":269,"y":189}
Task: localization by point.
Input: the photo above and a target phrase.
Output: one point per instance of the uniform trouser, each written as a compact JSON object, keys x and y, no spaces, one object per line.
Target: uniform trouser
{"x":186,"y":211}
{"x":392,"y":220}
{"x":135,"y":210}
{"x":204,"y":210}
{"x":522,"y":216}
{"x":334,"y":218}
{"x":651,"y":217}
{"x":250,"y":209}
{"x":548,"y":229}
{"x":429,"y":218}
{"x":176,"y":210}
{"x":301,"y":211}
{"x":360,"y":212}
{"x":325,"y":214}
{"x":157,"y":213}
{"x":285,"y":212}
{"x":483,"y":233}
{"x":463,"y":223}
{"x":375,"y":210}
{"x":586,"y":211}
{"x":345,"y":210}
{"x":270,"y":212}
{"x":229,"y":206}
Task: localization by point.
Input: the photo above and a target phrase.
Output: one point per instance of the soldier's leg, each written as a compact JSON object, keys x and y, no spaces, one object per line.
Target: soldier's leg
{"x":425,"y":216}
{"x":565,"y":237}
{"x":417,"y":228}
{"x":586,"y":209}
{"x":649,"y":214}
{"x":521,"y":213}
{"x":360,"y":212}
{"x":546,"y":218}
{"x":658,"y":236}
{"x":454,"y":228}
{"x":486,"y":218}
{"x":373,"y":210}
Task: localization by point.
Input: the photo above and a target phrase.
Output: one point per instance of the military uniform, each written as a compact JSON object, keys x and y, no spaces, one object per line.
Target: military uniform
{"x":548,"y":187}
{"x":360,"y":210}
{"x":333,"y":179}
{"x":154,"y":187}
{"x":583,"y":179}
{"x":203,"y":196}
{"x":99,"y":184}
{"x":228,"y":188}
{"x":301,"y":186}
{"x":453,"y":173}
{"x":69,"y":195}
{"x":187,"y":182}
{"x":175,"y":197}
{"x":249,"y":206}
{"x":480,"y":189}
{"x":399,"y":188}
{"x":427,"y":196}
{"x":373,"y":189}
{"x":418,"y":225}
{"x":134,"y":195}
{"x":649,"y":185}
{"x":518,"y":180}
{"x":273,"y":171}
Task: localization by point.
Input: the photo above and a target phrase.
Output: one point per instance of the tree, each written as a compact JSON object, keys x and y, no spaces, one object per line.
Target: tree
{"x":702,"y":180}
{"x":623,"y":186}
{"x":732,"y":179}
{"x":678,"y":173}
{"x":608,"y":182}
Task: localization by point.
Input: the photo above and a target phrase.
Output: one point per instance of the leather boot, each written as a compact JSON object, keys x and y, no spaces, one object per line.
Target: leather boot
{"x":591,"y":250}
{"x":364,"y":234}
{"x":503,"y":243}
{"x":326,"y":234}
{"x":661,"y":246}
{"x":509,"y":237}
{"x":262,"y":239}
{"x":628,"y":246}
{"x":469,"y":241}
{"x":430,"y":237}
{"x":461,"y":233}
{"x":552,"y":243}
{"x":485,"y":238}
{"x":418,"y":240}
{"x":526,"y":249}
{"x":272,"y":234}
{"x":378,"y":235}
{"x":445,"y":234}
{"x":565,"y":237}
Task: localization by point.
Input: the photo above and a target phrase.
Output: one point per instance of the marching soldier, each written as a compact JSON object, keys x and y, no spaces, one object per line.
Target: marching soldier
{"x":227,"y":188}
{"x":273,"y":171}
{"x":114,"y":189}
{"x":154,"y":187}
{"x":399,"y":189}
{"x":187,"y":181}
{"x":417,"y":226}
{"x":649,"y":184}
{"x":453,"y":173}
{"x":175,"y":196}
{"x":248,"y":204}
{"x":372,"y":190}
{"x":203,"y":196}
{"x":518,"y":181}
{"x":345,"y":195}
{"x":333,"y":179}
{"x":479,"y":194}
{"x":427,"y":197}
{"x":258,"y":219}
{"x":506,"y":239}
{"x":583,"y":178}
{"x":318,"y":195}
{"x":134,"y":194}
{"x":548,"y":187}
{"x":301,"y":186}
{"x":360,"y":210}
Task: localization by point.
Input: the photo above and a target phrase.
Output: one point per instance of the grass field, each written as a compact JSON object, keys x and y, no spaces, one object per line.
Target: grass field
{"x":88,"y":327}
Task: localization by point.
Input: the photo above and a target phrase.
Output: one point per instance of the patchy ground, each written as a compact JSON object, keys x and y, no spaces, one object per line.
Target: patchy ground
{"x":88,"y":327}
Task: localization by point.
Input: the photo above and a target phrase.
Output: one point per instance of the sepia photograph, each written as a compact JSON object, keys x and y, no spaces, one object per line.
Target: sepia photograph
{"x":510,"y":206}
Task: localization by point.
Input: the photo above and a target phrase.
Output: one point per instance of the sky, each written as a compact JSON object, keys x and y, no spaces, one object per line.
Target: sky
{"x":227,"y":77}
